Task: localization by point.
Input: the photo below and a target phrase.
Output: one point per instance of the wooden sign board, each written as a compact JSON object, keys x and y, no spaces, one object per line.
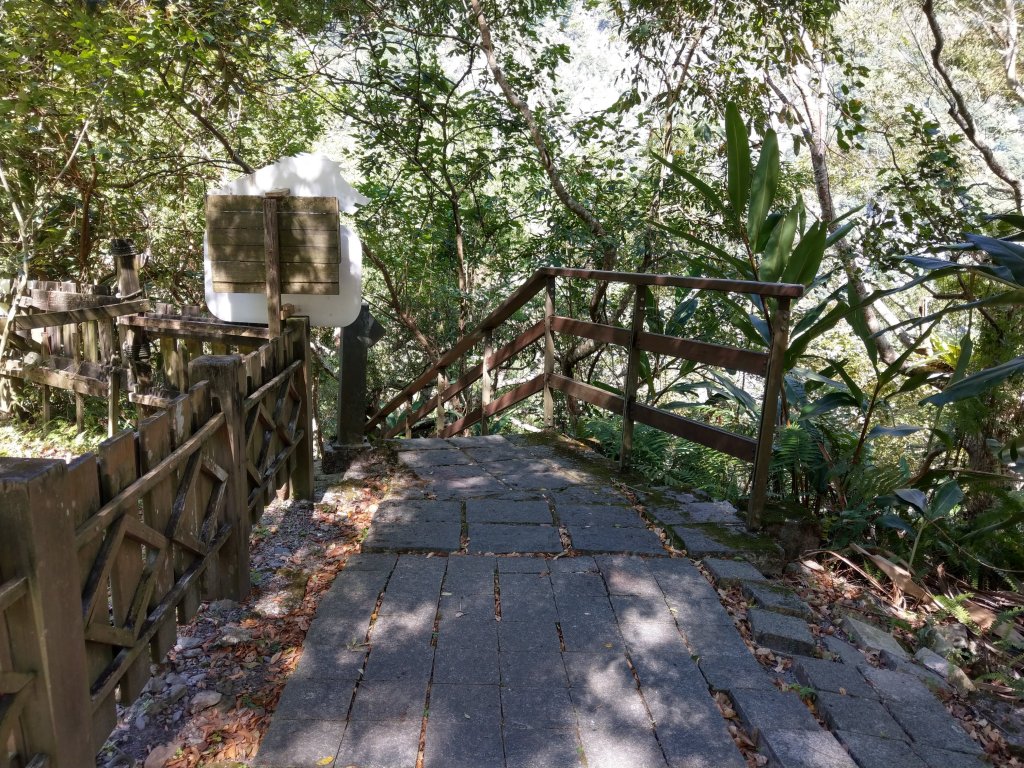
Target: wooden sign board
{"x":319,"y":259}
{"x":308,"y":232}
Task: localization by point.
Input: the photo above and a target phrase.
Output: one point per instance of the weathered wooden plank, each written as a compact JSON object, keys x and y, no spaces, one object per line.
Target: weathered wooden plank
{"x":607,"y":334}
{"x":56,"y":301}
{"x":678,"y":281}
{"x":296,"y":245}
{"x":218,"y":203}
{"x":591,"y":394}
{"x":11,"y":591}
{"x":713,"y":437}
{"x":298,"y":288}
{"x":42,"y":374}
{"x":516,"y":395}
{"x":296,"y":252}
{"x":48,"y":319}
{"x":299,"y":222}
{"x":255,"y":272}
{"x":225,"y":333}
{"x":720,"y":355}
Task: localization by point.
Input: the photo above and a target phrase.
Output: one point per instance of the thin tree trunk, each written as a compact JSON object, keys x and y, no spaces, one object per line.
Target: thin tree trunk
{"x":958,"y":108}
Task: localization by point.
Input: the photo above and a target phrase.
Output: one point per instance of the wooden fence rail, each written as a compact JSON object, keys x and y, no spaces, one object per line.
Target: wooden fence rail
{"x":635,"y":339}
{"x":102,"y":557}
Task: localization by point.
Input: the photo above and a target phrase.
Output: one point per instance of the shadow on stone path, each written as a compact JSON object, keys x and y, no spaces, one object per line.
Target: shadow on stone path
{"x":439,"y":644}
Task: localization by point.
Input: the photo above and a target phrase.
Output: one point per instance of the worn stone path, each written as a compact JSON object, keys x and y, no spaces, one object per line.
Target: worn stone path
{"x":439,"y":643}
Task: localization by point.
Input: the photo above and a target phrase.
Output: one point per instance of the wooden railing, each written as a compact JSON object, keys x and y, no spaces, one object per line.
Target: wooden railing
{"x":635,"y":339}
{"x":102,"y":557}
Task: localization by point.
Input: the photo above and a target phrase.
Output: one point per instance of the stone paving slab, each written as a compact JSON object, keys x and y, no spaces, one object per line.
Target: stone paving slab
{"x":786,"y":634}
{"x":517,"y":659}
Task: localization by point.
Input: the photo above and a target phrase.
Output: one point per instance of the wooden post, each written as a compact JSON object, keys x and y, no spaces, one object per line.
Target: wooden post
{"x":113,"y":398}
{"x":440,"y":403}
{"x":632,"y":371}
{"x":485,"y":380}
{"x":272,"y":253}
{"x":227,"y":387}
{"x":769,"y":414}
{"x":549,"y":354}
{"x":46,"y":630}
{"x":301,"y":481}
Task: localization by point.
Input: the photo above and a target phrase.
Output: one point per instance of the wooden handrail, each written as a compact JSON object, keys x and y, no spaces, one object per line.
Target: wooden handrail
{"x":635,"y":339}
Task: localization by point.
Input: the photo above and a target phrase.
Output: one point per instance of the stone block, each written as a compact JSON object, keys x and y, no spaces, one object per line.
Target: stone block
{"x":799,"y":748}
{"x":390,"y":701}
{"x":928,"y":722}
{"x":467,"y":631}
{"x":501,"y":538}
{"x":546,"y":748}
{"x":329,"y":661}
{"x":698,"y":747}
{"x":409,"y":512}
{"x":786,"y":634}
{"x":602,"y":517}
{"x":523,"y":637}
{"x":872,"y":752}
{"x":944,"y":758}
{"x":399,"y":663}
{"x":373,"y":744}
{"x":842,"y":650}
{"x":732,"y":672}
{"x":721,"y":512}
{"x":415,"y":537}
{"x":871,"y":638}
{"x":469,"y":664}
{"x":831,"y":676}
{"x":537,"y":708}
{"x":451,"y":744}
{"x":769,"y":710}
{"x":479,"y":704}
{"x":532,"y":669}
{"x":777,"y":599}
{"x":300,"y":743}
{"x":897,"y":686}
{"x":419,"y":444}
{"x":932,"y":661}
{"x":732,"y":572}
{"x":609,"y":539}
{"x":591,"y":636}
{"x":527,"y":510}
{"x":434,"y":458}
{"x":856,"y":715}
{"x":617,"y":747}
{"x":698,"y":544}
{"x":315,"y":699}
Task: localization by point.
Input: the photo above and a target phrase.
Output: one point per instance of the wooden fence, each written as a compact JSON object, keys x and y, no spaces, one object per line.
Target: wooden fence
{"x":100,"y":558}
{"x":777,"y":297}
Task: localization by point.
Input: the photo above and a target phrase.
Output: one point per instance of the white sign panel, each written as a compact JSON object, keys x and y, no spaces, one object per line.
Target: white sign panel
{"x":303,"y":176}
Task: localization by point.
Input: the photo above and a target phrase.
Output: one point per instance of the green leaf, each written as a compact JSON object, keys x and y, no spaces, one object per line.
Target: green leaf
{"x":1008,"y":256}
{"x":805,"y":262}
{"x":946,"y":498}
{"x":860,"y":327}
{"x":829,"y":402}
{"x":900,"y":430}
{"x":839,"y":233}
{"x":780,"y":246}
{"x":766,"y":232}
{"x":764,"y":185}
{"x":712,"y":198}
{"x":736,"y":263}
{"x":977,"y":383}
{"x":739,"y":160}
{"x":1013,"y":219}
{"x":913,"y":497}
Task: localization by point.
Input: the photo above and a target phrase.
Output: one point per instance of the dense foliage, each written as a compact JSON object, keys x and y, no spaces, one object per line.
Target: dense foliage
{"x":858,"y":148}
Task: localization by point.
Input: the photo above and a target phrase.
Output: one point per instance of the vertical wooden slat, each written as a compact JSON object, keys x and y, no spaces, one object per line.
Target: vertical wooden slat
{"x":117,"y":470}
{"x":485,"y":381}
{"x":632,"y":369}
{"x":549,"y":353}
{"x":408,"y":419}
{"x":302,"y":475}
{"x":44,"y":349}
{"x":154,"y":446}
{"x":272,"y":251}
{"x":227,"y":384}
{"x":769,"y":413}
{"x":440,"y":403}
{"x":37,"y":541}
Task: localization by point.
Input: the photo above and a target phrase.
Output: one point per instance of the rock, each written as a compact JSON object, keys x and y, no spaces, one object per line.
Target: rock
{"x":872,"y":638}
{"x":193,"y":653}
{"x":188,"y":643}
{"x":175,"y":694}
{"x":161,"y":755}
{"x":205,"y":700}
{"x":235,"y":635}
{"x":949,"y":638}
{"x":960,"y":681}
{"x":223,"y":606}
{"x":140,"y":723}
{"x":173,"y":678}
{"x":155,"y":685}
{"x":931,"y":660}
